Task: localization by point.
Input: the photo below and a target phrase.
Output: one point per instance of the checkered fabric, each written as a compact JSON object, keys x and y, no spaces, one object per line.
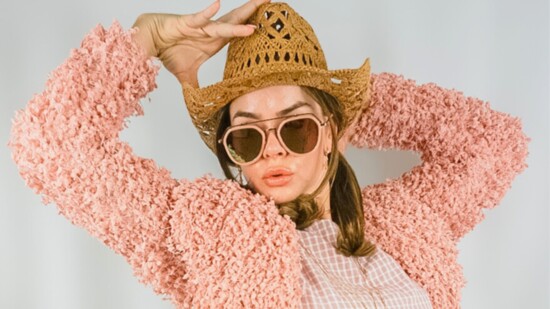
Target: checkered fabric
{"x":332,"y":280}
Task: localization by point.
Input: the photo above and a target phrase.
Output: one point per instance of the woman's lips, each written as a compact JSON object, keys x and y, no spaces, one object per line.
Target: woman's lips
{"x":277,"y":177}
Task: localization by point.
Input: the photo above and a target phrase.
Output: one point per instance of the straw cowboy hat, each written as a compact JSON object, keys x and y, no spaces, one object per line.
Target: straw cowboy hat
{"x":282,"y":51}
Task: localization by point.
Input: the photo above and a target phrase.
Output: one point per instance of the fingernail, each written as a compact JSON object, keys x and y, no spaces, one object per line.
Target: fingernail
{"x":251,"y":26}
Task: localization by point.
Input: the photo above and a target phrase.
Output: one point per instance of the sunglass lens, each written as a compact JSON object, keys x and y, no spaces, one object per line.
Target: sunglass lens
{"x":244,"y":145}
{"x":300,"y":135}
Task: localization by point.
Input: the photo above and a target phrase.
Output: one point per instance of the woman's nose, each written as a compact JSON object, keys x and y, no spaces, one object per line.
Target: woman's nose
{"x":273,"y":146}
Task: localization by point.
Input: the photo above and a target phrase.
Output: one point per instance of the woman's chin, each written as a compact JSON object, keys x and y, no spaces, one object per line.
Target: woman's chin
{"x":279,"y":196}
{"x":282,"y":200}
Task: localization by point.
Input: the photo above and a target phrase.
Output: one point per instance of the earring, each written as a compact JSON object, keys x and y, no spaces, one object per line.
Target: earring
{"x":325,"y":163}
{"x":240,"y":176}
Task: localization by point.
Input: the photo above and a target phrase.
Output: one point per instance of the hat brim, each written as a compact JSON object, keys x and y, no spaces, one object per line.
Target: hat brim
{"x":349,"y":86}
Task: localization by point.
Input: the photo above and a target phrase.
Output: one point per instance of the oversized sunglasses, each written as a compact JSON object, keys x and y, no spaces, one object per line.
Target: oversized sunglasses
{"x":298,"y":134}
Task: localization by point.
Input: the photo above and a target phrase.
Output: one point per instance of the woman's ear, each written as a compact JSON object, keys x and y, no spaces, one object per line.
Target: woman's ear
{"x":328,"y":137}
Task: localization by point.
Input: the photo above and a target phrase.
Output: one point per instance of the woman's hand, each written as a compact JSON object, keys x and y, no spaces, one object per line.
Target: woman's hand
{"x":184,"y":42}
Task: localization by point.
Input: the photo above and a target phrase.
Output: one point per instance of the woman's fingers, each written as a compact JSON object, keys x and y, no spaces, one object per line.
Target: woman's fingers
{"x":203,"y":17}
{"x":224,"y":30}
{"x":184,"y":42}
{"x":242,"y":13}
{"x":227,"y":26}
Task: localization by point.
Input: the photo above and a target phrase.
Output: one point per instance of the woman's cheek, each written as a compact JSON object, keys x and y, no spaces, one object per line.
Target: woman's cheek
{"x":251,"y":177}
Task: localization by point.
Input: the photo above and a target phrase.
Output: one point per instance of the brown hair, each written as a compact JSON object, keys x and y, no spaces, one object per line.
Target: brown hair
{"x":346,"y":207}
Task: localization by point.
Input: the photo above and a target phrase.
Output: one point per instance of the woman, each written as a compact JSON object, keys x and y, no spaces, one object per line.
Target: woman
{"x":212,"y":243}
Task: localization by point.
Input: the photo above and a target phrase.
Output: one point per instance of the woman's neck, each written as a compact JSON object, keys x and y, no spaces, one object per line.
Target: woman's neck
{"x":323,"y":200}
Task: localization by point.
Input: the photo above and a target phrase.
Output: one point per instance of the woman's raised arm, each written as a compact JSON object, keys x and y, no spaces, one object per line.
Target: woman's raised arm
{"x":66,"y":146}
{"x":470,"y":152}
{"x":470,"y":156}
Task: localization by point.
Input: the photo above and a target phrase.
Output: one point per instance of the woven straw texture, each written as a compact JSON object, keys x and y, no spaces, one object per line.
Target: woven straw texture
{"x":283,"y":50}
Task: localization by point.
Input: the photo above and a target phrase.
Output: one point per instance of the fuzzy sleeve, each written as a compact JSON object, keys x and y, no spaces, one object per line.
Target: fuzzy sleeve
{"x":470,"y":155}
{"x":239,"y":251}
{"x":65,"y":144}
{"x":205,"y":243}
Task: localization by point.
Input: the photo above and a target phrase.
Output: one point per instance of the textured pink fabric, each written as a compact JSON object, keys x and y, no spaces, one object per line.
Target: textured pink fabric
{"x":205,"y":242}
{"x":470,"y":156}
{"x":194,"y":241}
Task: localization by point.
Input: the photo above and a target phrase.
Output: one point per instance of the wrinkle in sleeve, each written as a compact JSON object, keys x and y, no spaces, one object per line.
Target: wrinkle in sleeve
{"x":66,"y":147}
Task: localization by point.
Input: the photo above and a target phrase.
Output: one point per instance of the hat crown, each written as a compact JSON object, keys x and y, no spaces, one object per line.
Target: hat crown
{"x":283,"y":39}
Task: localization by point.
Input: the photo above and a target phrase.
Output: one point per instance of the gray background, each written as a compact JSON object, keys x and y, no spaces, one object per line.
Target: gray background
{"x":493,"y":49}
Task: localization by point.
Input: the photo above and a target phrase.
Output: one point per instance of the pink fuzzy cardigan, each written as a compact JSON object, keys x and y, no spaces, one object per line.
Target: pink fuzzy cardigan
{"x":208,"y":242}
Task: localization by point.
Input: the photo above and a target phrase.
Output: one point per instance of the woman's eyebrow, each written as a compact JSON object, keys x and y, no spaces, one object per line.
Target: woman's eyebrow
{"x":283,"y":112}
{"x":245,"y":114}
{"x":296,"y":105}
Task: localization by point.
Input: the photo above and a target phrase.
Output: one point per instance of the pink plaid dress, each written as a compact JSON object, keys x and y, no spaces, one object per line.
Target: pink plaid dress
{"x":331,"y":280}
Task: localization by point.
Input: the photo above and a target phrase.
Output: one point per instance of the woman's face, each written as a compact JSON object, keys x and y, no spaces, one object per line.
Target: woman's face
{"x":278,"y":174}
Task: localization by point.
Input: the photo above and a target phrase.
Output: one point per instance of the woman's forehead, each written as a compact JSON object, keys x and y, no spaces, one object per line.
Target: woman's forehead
{"x":274,"y":100}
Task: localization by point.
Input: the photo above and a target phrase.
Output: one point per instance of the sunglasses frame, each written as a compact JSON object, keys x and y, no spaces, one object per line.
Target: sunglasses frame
{"x":264,"y":134}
